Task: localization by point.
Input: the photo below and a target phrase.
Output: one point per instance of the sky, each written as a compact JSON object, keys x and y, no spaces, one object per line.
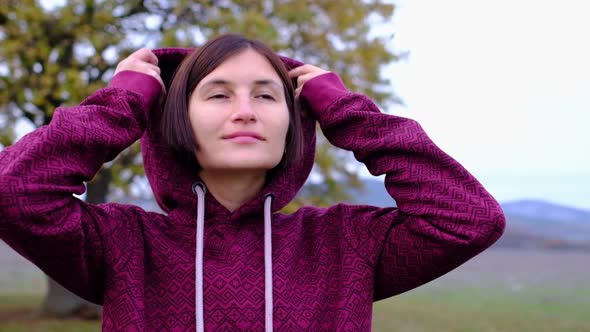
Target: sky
{"x":504,"y":88}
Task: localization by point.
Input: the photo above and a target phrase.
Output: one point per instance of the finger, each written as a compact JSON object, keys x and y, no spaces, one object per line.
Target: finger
{"x":156,"y":74}
{"x":146,"y":55}
{"x":140,"y":66}
{"x":137,"y":61}
{"x":302,"y":79}
{"x":152,"y":58}
{"x":299,"y":71}
{"x":153,"y":67}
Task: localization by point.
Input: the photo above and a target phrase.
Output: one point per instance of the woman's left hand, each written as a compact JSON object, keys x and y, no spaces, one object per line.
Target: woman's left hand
{"x":305,"y":73}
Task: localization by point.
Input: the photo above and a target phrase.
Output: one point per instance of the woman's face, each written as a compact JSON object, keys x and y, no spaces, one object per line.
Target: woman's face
{"x":239,"y":115}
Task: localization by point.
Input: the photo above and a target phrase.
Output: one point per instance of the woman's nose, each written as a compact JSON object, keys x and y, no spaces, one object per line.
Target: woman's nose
{"x":244,"y":111}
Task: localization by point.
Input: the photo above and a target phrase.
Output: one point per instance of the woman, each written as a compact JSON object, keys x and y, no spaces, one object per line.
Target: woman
{"x":226,"y":150}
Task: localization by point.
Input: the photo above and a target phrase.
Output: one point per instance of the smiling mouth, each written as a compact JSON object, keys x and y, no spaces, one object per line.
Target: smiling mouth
{"x":244,"y":139}
{"x":244,"y":136}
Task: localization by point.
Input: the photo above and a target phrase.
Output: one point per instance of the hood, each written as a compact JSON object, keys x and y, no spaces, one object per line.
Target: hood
{"x":172,"y":184}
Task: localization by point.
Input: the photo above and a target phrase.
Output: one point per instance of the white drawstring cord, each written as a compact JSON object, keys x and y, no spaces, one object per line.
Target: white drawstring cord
{"x":268,"y":300}
{"x":199,"y":189}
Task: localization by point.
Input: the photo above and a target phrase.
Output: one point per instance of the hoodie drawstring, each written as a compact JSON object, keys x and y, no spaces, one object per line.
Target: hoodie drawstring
{"x":199,"y":189}
{"x":268,"y":262}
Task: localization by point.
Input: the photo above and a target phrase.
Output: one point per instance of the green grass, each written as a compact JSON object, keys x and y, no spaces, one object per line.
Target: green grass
{"x":453,"y":309}
{"x":49,"y":325}
{"x":444,"y":309}
{"x":13,"y":301}
{"x":19,"y":313}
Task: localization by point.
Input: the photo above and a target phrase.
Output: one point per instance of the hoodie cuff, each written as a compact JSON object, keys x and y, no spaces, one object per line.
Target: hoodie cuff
{"x":142,"y":84}
{"x":321,"y":91}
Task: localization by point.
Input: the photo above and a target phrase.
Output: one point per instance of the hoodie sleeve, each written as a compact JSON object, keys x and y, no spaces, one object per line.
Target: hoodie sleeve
{"x":444,"y":216}
{"x":39,"y":216}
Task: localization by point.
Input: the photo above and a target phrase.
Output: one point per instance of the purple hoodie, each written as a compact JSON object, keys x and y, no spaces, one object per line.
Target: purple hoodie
{"x":155,"y":272}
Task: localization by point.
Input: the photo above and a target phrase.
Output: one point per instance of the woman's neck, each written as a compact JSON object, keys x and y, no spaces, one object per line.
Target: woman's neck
{"x":232,"y":189}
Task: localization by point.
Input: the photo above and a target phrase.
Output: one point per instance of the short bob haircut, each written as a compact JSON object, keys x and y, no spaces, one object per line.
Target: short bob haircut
{"x":175,"y":124}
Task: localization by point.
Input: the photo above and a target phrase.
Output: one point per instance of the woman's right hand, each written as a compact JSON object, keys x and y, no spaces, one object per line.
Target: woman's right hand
{"x":142,"y":61}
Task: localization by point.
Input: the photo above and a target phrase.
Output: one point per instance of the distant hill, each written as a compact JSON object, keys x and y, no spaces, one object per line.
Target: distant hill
{"x":550,"y":220}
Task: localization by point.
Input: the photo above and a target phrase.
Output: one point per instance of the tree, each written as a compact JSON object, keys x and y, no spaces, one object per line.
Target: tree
{"x":57,"y":56}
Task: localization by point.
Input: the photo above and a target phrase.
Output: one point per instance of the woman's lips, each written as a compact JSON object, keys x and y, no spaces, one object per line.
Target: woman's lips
{"x":244,"y":136}
{"x":244,"y":139}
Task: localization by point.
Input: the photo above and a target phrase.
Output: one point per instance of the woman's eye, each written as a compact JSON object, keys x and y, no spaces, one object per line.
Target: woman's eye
{"x":266,"y":96}
{"x":218,"y":96}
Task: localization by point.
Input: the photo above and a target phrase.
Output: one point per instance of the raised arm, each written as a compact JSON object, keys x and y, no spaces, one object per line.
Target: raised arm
{"x":444,"y":216}
{"x":39,"y":216}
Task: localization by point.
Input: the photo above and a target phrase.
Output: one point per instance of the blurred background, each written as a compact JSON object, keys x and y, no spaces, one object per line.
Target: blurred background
{"x":502,"y":86}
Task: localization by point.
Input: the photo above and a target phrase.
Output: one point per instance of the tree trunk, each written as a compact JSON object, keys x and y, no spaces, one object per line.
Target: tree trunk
{"x":59,"y":302}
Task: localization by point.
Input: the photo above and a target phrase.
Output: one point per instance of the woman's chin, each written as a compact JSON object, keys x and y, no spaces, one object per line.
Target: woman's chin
{"x":247,"y":166}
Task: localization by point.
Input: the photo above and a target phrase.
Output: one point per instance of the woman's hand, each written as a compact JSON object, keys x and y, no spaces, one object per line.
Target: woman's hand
{"x":305,"y":73}
{"x":142,"y":61}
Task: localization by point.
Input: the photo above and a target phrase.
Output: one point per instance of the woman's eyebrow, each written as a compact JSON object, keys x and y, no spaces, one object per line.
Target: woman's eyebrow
{"x":215,"y":82}
{"x":259,"y":82}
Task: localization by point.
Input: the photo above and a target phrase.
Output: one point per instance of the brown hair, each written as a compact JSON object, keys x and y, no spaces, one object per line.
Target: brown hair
{"x":176,"y":128}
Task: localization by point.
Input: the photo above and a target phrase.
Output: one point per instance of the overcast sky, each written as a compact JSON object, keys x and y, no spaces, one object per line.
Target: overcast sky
{"x":504,"y":87}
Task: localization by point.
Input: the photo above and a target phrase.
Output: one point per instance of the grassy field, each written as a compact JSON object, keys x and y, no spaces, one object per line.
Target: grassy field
{"x":464,"y":309}
{"x":500,"y":290}
{"x":429,"y":309}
